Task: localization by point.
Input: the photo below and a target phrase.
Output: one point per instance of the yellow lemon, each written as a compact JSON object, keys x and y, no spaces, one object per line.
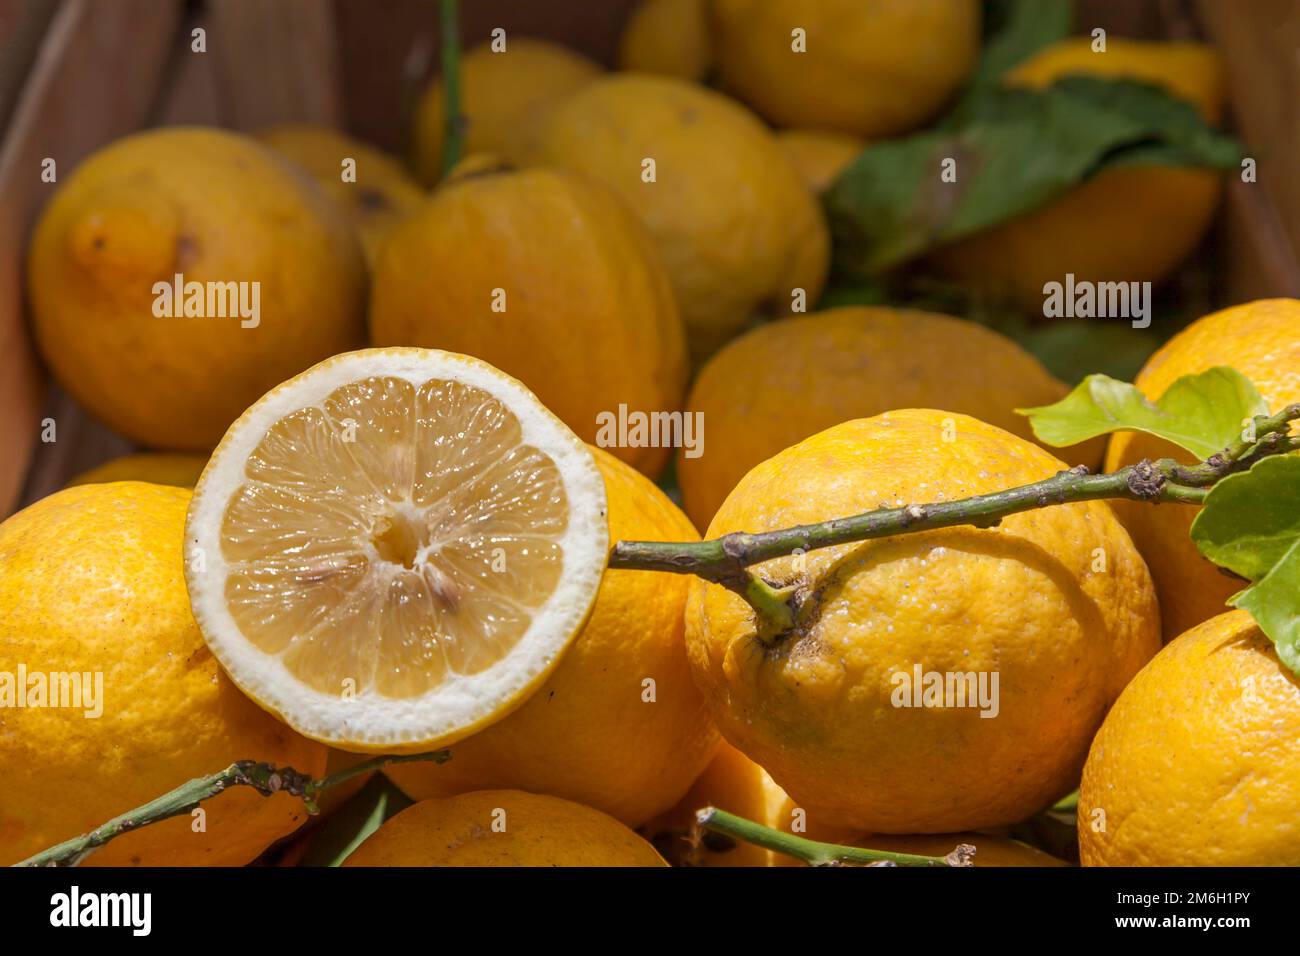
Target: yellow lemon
{"x":668,"y":37}
{"x":271,"y":279}
{"x":503,"y":96}
{"x":159,"y":468}
{"x":503,"y":828}
{"x":933,"y":682}
{"x":550,"y":279}
{"x":1196,"y":763}
{"x":1259,"y":340}
{"x":91,"y":591}
{"x":818,"y":156}
{"x":736,"y":228}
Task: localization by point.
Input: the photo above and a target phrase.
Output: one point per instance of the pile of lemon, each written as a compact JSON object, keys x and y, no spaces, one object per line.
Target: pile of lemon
{"x":373,"y":519}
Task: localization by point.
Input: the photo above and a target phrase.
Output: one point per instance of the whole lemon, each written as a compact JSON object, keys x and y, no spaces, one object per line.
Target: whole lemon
{"x":503,"y":96}
{"x":378,"y":197}
{"x":1196,"y":763}
{"x":550,"y":279}
{"x":822,"y":369}
{"x":1259,"y":339}
{"x":91,"y":585}
{"x":1131,"y":224}
{"x":503,"y":828}
{"x":619,"y":725}
{"x":1030,"y":628}
{"x":668,"y":37}
{"x":868,"y":67}
{"x":159,"y":468}
{"x":737,"y":230}
{"x":818,"y":156}
{"x":278,"y":273}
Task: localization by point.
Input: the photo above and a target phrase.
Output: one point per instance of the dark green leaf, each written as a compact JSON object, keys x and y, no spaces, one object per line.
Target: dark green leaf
{"x":1201,"y":413}
{"x":1020,"y":28}
{"x":345,"y":829}
{"x":1076,"y":348}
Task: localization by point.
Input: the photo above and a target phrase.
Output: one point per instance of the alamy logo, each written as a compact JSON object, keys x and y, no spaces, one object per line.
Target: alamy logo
{"x":209,"y":300}
{"x":684,"y":430}
{"x":1098,"y":300}
{"x":74,"y":690}
{"x":74,"y":908}
{"x":944,"y":689}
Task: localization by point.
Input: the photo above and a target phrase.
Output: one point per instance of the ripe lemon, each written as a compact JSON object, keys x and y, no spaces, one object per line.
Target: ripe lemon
{"x":159,"y":468}
{"x":215,"y":208}
{"x":737,"y":230}
{"x":818,"y":156}
{"x":552,"y":280}
{"x":668,"y":37}
{"x":1259,"y":339}
{"x":392,"y":549}
{"x":826,"y":368}
{"x":1129,"y":224}
{"x":730,"y":782}
{"x":1196,"y":763}
{"x":1056,"y":603}
{"x":503,"y":828}
{"x":619,"y":725}
{"x":867,"y":67}
{"x":379,"y":197}
{"x":503,"y":96}
{"x":91,"y":584}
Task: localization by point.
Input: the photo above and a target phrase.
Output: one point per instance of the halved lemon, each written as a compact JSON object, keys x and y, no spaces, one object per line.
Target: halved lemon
{"x":392,"y":549}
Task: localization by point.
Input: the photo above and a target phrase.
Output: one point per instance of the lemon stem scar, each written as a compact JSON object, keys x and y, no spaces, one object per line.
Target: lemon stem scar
{"x":727,"y":560}
{"x":265,"y":778}
{"x":820,"y":854}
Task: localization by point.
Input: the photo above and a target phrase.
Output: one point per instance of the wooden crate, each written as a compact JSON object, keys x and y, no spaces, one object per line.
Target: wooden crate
{"x":356,"y":63}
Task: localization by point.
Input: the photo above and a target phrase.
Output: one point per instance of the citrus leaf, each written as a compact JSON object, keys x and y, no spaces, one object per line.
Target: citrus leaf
{"x":1073,"y":348}
{"x":1020,"y":28}
{"x":1250,"y":524}
{"x":1201,"y":413}
{"x":350,"y":824}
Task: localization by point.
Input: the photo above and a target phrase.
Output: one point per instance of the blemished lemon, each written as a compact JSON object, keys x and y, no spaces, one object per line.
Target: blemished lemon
{"x":1259,"y":339}
{"x":550,"y":279}
{"x":869,"y":67}
{"x":503,"y":828}
{"x":738,"y":231}
{"x":619,"y":725}
{"x":1135,"y":223}
{"x":271,"y":264}
{"x":822,"y":369}
{"x":1196,"y":763}
{"x":1033,"y":627}
{"x":818,"y":156}
{"x":379,"y":193}
{"x":91,"y":590}
{"x":159,"y":468}
{"x":668,"y":37}
{"x":391,"y":550}
{"x":503,"y":97}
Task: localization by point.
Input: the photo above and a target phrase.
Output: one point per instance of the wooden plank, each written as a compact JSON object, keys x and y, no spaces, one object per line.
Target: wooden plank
{"x":67,"y":108}
{"x":275,"y":62}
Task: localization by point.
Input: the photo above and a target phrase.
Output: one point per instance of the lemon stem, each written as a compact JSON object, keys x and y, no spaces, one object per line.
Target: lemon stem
{"x":820,"y":854}
{"x":265,"y":778}
{"x":454,"y":132}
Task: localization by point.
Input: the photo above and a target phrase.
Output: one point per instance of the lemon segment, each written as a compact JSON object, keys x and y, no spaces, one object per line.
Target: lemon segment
{"x":392,"y":549}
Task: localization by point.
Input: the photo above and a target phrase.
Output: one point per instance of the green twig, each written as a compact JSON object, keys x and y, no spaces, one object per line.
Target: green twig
{"x":454,"y":123}
{"x":820,"y":854}
{"x":265,"y":778}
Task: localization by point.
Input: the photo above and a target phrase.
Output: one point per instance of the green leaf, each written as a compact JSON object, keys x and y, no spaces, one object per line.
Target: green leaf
{"x":1020,"y":28}
{"x":1201,"y":413}
{"x":1250,"y":524}
{"x":1015,"y":151}
{"x":1074,"y":348}
{"x":345,"y":829}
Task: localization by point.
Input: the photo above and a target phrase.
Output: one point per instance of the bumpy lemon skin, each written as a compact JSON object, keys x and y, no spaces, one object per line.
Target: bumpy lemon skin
{"x":822,"y":369}
{"x":382,"y":195}
{"x":550,"y":279}
{"x":731,"y":253}
{"x":503,"y":828}
{"x":503,"y":97}
{"x":1132,"y":224}
{"x":90,"y":581}
{"x":159,"y":468}
{"x":588,"y":733}
{"x":667,"y":37}
{"x":1196,"y":763}
{"x":1261,"y":340}
{"x":1057,"y":602}
{"x":875,"y":68}
{"x":212,"y":206}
